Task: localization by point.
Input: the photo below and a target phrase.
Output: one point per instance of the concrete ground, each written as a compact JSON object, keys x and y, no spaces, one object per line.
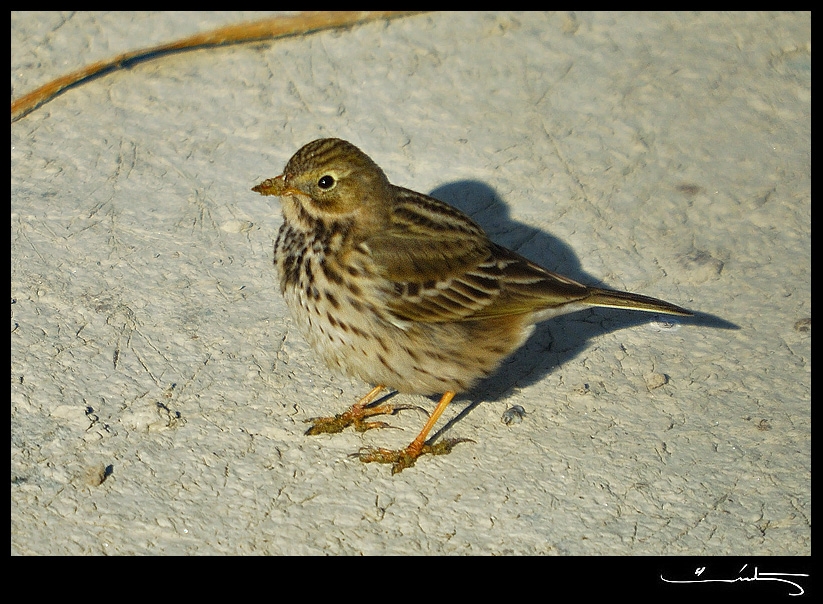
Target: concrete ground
{"x":159,"y":387}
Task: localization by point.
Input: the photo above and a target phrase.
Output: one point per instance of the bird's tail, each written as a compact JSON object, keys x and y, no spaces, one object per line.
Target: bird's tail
{"x":616,"y":299}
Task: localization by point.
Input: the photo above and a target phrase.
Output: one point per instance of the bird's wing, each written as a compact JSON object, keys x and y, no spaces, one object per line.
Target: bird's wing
{"x":441,"y":267}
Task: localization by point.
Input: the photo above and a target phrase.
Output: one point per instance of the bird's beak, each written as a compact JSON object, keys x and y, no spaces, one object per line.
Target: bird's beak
{"x":275,"y":186}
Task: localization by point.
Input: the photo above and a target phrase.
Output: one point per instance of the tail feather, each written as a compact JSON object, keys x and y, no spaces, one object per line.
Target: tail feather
{"x":616,"y":299}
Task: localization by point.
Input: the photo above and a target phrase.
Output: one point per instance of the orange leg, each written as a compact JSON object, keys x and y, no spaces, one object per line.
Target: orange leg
{"x":405,"y":458}
{"x":356,"y":415}
{"x":417,"y":444}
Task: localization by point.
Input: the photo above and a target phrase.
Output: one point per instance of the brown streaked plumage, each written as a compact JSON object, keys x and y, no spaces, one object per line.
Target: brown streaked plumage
{"x":405,"y":291}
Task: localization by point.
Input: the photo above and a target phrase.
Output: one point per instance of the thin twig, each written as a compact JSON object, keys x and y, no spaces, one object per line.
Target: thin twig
{"x":265,"y":29}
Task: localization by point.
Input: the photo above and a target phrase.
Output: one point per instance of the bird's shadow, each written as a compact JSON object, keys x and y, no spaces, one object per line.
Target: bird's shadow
{"x":558,"y":340}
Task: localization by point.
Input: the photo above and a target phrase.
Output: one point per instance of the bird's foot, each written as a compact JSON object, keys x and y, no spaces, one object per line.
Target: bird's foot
{"x":355,"y":417}
{"x":405,"y":458}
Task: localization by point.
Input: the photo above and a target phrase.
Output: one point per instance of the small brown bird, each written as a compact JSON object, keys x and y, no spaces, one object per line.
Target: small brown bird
{"x":405,"y":291}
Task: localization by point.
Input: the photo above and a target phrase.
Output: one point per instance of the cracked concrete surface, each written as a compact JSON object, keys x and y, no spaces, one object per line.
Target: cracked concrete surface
{"x":159,"y":387}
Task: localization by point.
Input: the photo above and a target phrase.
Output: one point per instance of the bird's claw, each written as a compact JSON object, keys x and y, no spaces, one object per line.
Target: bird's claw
{"x":355,"y":417}
{"x":406,"y":458}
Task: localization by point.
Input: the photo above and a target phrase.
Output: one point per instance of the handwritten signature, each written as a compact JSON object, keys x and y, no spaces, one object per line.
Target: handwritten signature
{"x":758,"y":576}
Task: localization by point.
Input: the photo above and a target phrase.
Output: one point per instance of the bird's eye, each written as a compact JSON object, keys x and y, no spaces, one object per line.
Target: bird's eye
{"x":326,"y":182}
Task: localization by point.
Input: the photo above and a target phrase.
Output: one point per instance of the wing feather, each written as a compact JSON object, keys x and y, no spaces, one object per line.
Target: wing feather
{"x":442,"y":267}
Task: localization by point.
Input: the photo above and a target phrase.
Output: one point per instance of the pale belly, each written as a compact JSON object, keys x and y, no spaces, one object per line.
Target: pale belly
{"x":357,"y":338}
